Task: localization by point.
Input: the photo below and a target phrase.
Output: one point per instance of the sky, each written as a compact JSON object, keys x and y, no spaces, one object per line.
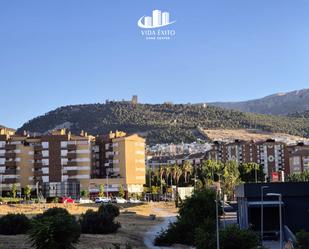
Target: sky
{"x":55,"y":52}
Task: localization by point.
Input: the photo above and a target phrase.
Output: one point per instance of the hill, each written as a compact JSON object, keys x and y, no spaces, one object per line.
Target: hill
{"x":250,"y":134}
{"x":304,"y":114}
{"x":276,"y":104}
{"x":161,"y":122}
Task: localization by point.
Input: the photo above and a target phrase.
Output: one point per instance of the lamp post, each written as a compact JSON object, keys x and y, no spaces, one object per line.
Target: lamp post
{"x":280,"y":213}
{"x":262,"y":212}
{"x":107,"y":182}
{"x":217,"y":221}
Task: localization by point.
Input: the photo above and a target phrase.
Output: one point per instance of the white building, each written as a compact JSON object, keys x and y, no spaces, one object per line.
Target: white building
{"x":165,"y":18}
{"x":156,"y":18}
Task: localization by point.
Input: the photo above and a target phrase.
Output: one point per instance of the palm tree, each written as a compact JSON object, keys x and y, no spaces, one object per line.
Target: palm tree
{"x":168,"y":173}
{"x":187,"y":168}
{"x":162,"y":170}
{"x":177,"y":172}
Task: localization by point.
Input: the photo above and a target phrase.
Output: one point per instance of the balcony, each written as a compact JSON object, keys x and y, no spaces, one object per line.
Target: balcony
{"x":72,"y":172}
{"x":37,"y":156}
{"x":108,"y":165}
{"x":71,"y":155}
{"x":10,"y":146}
{"x":37,"y":173}
{"x":71,"y":163}
{"x":37,"y":165}
{"x":9,"y":181}
{"x":10,"y":154}
{"x":10,"y":171}
{"x":10,"y":164}
{"x":72,"y":146}
{"x":37,"y":147}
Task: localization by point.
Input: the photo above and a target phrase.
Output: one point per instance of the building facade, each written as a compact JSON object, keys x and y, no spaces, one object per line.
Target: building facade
{"x":48,"y":161}
{"x":273,"y":156}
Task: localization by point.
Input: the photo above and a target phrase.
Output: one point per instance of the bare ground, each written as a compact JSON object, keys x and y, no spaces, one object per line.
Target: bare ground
{"x":135,"y":222}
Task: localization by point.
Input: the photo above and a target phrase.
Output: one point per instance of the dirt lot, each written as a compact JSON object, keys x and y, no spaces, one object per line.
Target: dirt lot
{"x":247,"y":135}
{"x":135,"y":222}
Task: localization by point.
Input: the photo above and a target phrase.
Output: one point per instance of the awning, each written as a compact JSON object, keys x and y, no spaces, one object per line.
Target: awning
{"x":265,"y":203}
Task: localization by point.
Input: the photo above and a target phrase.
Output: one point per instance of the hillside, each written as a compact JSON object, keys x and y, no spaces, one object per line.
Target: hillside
{"x":304,"y":114}
{"x":250,"y":134}
{"x":276,"y":104}
{"x":160,"y":122}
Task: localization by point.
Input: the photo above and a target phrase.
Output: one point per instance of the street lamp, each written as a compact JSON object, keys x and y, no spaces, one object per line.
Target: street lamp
{"x":217,"y":220}
{"x":107,"y":172}
{"x":280,"y":213}
{"x":262,"y":212}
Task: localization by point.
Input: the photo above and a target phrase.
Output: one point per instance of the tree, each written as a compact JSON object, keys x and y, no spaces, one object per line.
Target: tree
{"x":177,"y":172}
{"x":302,"y":238}
{"x":121,"y":192}
{"x":14,"y":190}
{"x":209,"y":170}
{"x":232,"y":237}
{"x":251,"y":172}
{"x":55,"y":228}
{"x":196,"y":212}
{"x":101,"y":193}
{"x":168,"y":173}
{"x":27,"y":191}
{"x":84,"y":193}
{"x":187,"y":168}
{"x":230,"y":178}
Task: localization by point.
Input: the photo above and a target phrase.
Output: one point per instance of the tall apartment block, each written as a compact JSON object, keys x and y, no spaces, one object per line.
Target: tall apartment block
{"x":118,"y":160}
{"x":61,"y":163}
{"x":273,"y":156}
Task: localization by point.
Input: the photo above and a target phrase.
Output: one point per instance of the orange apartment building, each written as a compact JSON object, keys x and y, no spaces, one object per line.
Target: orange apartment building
{"x":63,"y":164}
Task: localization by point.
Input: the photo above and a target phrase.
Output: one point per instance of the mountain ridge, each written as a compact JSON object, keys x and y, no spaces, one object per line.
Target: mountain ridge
{"x":274,"y":104}
{"x":159,"y":122}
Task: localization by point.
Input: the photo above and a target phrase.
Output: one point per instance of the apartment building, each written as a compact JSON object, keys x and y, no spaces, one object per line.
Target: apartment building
{"x":273,"y":156}
{"x":298,"y":158}
{"x":239,"y":151}
{"x":63,"y":164}
{"x":118,"y":160}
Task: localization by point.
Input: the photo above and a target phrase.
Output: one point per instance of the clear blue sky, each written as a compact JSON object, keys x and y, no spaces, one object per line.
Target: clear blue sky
{"x":56,"y":52}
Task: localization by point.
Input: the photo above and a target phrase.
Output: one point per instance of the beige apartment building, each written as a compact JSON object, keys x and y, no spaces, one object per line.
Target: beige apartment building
{"x":63,"y":164}
{"x":121,"y":160}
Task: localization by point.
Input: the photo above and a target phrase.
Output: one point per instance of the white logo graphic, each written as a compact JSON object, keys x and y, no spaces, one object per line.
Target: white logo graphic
{"x":159,"y":19}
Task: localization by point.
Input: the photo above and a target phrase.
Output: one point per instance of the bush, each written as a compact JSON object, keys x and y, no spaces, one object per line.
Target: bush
{"x":100,"y":222}
{"x":302,"y":238}
{"x":235,"y":238}
{"x":12,"y":224}
{"x":55,"y":228}
{"x":205,"y":237}
{"x":109,"y":209}
{"x":195,"y":211}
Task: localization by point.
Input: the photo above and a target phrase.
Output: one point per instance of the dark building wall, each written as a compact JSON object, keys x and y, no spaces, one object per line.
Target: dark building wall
{"x":295,"y":196}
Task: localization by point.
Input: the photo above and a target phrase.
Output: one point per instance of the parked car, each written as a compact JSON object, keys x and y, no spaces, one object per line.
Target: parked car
{"x":119,"y":200}
{"x":102,"y":200}
{"x":83,"y":200}
{"x":66,"y":200}
{"x":133,"y":200}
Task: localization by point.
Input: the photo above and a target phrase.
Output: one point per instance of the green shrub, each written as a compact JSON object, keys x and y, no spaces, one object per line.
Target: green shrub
{"x":195,"y":211}
{"x":235,"y":238}
{"x":100,"y":222}
{"x":12,"y":224}
{"x":55,"y":228}
{"x":205,"y":237}
{"x":302,"y":238}
{"x":109,"y":209}
{"x":51,"y":212}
